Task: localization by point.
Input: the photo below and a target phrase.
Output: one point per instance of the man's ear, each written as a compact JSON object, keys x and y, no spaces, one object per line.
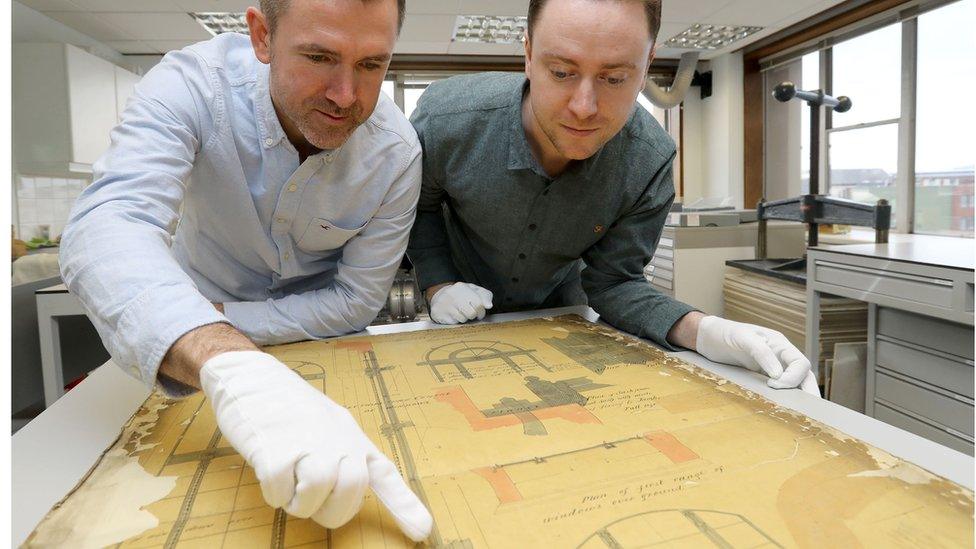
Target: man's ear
{"x":528,"y":54}
{"x":650,"y":59}
{"x":260,"y":34}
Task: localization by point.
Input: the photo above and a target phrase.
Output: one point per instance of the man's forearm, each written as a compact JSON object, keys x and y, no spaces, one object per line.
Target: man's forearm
{"x":684,"y":333}
{"x":186,"y":357}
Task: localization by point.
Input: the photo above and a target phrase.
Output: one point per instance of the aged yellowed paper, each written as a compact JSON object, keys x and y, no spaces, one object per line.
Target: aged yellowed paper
{"x":540,"y":433}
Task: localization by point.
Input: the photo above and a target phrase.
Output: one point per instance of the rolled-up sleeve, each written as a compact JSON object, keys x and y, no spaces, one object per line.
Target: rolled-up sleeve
{"x":365,"y":273}
{"x":614,"y":275}
{"x":115,"y":251}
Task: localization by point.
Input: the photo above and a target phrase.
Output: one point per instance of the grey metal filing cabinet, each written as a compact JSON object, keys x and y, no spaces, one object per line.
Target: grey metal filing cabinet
{"x":689,"y":263}
{"x":920,"y":329}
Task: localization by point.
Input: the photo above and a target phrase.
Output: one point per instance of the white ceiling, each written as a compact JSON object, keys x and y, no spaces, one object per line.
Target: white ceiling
{"x":158,"y":26}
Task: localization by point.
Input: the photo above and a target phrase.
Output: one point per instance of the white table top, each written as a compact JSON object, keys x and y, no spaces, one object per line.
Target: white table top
{"x":940,"y":251}
{"x":52,"y":453}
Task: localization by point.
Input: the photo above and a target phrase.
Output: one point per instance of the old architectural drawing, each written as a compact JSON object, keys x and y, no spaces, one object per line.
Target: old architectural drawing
{"x":549,"y":432}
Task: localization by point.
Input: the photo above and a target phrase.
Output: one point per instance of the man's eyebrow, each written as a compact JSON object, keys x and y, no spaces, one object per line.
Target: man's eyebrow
{"x":322,"y":50}
{"x":568,"y":61}
{"x":620,"y":66}
{"x":378,"y":58}
{"x":557,"y":57}
{"x":316,"y":48}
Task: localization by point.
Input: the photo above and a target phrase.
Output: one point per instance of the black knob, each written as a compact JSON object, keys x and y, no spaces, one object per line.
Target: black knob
{"x":784,"y":92}
{"x":843,"y":104}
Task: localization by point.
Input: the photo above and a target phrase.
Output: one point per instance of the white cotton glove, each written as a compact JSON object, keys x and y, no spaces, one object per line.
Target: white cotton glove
{"x":459,"y":303}
{"x":758,"y":349}
{"x":308,"y":453}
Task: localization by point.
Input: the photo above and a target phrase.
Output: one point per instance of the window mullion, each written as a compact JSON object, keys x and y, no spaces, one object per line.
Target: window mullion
{"x":826,"y":121}
{"x":906,"y":128}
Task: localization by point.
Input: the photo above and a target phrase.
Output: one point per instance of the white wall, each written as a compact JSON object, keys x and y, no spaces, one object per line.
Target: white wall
{"x":40,"y":204}
{"x":714,"y":130}
{"x":782,"y":140}
{"x":29,"y":25}
{"x":691,"y":120}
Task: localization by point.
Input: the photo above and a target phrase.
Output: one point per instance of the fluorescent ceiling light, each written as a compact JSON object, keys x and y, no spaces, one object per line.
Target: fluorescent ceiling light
{"x":709,"y":37}
{"x":489,"y":29}
{"x":221,"y":22}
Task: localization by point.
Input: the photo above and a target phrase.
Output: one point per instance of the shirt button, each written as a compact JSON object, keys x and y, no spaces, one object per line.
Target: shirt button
{"x":287,"y":255}
{"x":281,"y":220}
{"x":531,"y":226}
{"x":515,"y":279}
{"x":521,"y":256}
{"x":292,"y":188}
{"x":268,"y":141}
{"x":328,"y":158}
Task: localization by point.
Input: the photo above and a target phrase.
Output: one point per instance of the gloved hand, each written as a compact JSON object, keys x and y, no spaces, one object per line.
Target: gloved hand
{"x":459,"y":303}
{"x":308,"y":453}
{"x":758,"y":349}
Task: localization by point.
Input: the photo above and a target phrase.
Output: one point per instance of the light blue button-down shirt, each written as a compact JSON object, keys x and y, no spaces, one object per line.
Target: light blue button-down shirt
{"x":294,"y":250}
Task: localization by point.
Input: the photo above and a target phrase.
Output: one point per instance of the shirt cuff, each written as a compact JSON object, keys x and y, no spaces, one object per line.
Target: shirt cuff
{"x":152,"y":323}
{"x":665,"y":316}
{"x":252,"y":318}
{"x":434,"y":270}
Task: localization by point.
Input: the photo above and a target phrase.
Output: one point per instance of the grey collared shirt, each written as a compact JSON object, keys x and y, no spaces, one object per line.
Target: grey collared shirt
{"x":488,"y":213}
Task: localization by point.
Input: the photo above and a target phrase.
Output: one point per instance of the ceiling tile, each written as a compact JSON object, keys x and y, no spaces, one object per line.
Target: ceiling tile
{"x":811,"y":9}
{"x":759,"y":13}
{"x":165,"y":46}
{"x":94,"y":26}
{"x":420,"y":47}
{"x":432,"y":7}
{"x":493,"y":7}
{"x":476,"y":48}
{"x":128,"y":5}
{"x":427,"y":28}
{"x":51,"y":5}
{"x":235,"y":6}
{"x":131,"y":47}
{"x":691,"y":10}
{"x":157,"y":26}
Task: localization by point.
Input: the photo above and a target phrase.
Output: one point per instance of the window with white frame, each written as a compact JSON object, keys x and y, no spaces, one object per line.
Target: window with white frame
{"x":907,"y":139}
{"x":945,"y":146}
{"x":862,"y":143}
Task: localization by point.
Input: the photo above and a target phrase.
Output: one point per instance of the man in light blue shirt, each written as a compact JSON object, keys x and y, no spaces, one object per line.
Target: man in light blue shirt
{"x":258,"y":191}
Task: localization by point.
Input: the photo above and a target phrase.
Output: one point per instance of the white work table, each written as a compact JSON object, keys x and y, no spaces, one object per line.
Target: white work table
{"x":53,"y":453}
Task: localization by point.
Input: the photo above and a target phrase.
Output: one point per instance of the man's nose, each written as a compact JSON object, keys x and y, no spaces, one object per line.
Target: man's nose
{"x":342,"y":87}
{"x":583,"y":102}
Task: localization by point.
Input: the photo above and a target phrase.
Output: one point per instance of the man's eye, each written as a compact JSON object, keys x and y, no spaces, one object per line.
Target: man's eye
{"x":315,"y":58}
{"x":616,"y":80}
{"x":560,"y":75}
{"x":371,"y":66}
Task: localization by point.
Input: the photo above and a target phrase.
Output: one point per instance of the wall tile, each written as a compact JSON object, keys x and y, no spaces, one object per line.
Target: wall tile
{"x":27,"y":207}
{"x":26,"y":187}
{"x":44,"y":189}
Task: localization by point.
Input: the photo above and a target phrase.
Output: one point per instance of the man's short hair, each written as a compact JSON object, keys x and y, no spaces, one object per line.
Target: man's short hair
{"x":274,"y":9}
{"x":651,"y":7}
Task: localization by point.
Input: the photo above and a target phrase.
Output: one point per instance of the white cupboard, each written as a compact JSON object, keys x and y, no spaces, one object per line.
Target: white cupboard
{"x":65,"y":103}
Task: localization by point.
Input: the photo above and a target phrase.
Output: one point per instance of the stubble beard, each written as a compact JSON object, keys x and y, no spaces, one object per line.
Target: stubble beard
{"x":551,"y":131}
{"x":328,"y":137}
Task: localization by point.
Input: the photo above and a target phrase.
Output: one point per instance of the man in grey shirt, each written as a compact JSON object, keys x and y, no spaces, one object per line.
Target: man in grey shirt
{"x":553,"y":188}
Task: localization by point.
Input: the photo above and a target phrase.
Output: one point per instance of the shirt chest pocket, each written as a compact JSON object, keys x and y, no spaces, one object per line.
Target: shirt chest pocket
{"x":323,"y":235}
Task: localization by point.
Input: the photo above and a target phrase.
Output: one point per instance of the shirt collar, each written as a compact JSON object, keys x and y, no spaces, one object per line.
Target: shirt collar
{"x":269,"y":127}
{"x":519,"y":154}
